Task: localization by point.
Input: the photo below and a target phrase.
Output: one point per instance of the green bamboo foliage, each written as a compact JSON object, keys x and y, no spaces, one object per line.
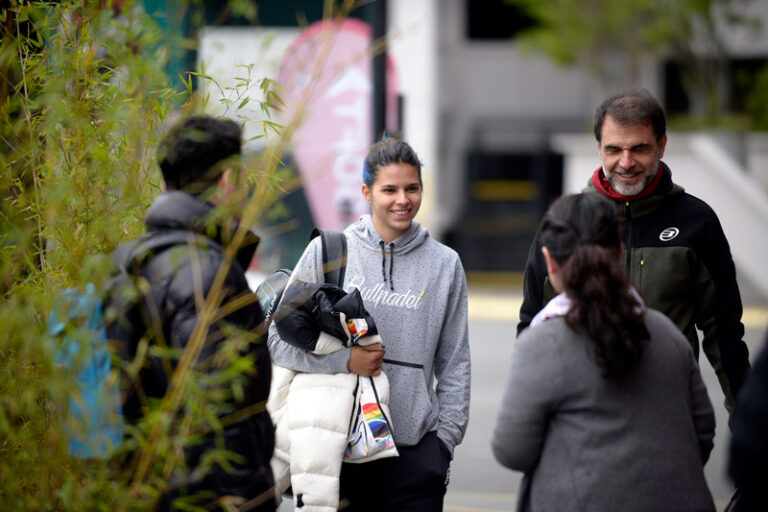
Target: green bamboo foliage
{"x":84,"y":99}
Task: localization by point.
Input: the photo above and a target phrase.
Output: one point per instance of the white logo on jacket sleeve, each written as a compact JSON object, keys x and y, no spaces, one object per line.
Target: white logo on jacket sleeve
{"x":668,"y":234}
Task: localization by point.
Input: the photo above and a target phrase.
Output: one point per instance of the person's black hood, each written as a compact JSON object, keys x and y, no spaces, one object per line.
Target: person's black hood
{"x":175,"y":210}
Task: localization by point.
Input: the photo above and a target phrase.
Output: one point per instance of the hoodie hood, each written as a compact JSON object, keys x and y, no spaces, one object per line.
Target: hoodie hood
{"x":176,"y":210}
{"x":365,"y":233}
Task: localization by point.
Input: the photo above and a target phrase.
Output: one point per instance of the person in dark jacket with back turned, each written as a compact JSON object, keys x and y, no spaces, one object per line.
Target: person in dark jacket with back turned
{"x":676,"y":254}
{"x":200,"y":162}
{"x":748,"y":456}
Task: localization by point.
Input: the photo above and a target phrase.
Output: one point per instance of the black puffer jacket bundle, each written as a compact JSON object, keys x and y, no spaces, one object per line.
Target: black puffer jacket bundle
{"x":308,"y":310}
{"x":180,"y":275}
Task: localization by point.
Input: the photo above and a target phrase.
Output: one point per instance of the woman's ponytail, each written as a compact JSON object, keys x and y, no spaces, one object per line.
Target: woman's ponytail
{"x":582,"y":234}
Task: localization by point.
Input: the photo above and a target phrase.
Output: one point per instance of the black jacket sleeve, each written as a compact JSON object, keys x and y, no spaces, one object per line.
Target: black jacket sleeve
{"x":720,"y":315}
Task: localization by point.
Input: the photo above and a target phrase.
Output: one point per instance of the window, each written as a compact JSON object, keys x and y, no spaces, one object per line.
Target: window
{"x":495,"y":20}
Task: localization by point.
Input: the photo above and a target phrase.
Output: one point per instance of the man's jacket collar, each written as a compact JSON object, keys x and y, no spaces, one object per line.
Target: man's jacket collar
{"x":642,"y":206}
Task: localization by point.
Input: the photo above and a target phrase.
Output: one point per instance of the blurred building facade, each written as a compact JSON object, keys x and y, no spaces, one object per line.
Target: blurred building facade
{"x":502,"y":131}
{"x":507,"y":116}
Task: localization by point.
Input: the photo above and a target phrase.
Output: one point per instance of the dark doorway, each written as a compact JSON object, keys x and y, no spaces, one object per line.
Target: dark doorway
{"x":506,"y":196}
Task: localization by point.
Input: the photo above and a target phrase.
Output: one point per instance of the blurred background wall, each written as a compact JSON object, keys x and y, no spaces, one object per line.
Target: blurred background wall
{"x":497,"y":97}
{"x":515,"y":127}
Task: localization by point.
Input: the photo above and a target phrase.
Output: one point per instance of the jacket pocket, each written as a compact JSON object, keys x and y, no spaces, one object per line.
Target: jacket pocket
{"x":410,"y":404}
{"x":403,"y":363}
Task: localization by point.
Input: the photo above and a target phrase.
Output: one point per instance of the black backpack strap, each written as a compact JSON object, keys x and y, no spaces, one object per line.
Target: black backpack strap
{"x":334,"y":255}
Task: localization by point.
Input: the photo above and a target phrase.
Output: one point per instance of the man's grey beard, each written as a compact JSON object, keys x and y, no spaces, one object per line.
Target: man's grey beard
{"x":631,"y":190}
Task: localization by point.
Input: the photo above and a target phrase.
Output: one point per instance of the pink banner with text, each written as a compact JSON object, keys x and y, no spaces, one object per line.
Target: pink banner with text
{"x":326,"y":74}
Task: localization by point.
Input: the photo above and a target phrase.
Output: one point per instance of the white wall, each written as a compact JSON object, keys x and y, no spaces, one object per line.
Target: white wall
{"x":756,"y":145}
{"x":747,"y":41}
{"x":223,"y":52}
{"x":452,"y":86}
{"x":412,"y":32}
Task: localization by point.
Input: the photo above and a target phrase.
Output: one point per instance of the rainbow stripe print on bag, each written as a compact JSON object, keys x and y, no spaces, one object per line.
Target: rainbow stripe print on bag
{"x":370,"y":432}
{"x":377,"y":424}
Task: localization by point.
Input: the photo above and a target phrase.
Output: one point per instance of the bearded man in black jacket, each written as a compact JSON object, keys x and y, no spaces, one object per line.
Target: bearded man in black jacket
{"x":190,"y":230}
{"x":675,"y":252}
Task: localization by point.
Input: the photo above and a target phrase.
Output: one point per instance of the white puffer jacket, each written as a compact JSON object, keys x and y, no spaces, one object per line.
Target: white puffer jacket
{"x":312,"y":412}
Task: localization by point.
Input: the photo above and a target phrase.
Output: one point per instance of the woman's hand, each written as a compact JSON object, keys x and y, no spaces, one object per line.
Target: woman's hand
{"x":366,"y":361}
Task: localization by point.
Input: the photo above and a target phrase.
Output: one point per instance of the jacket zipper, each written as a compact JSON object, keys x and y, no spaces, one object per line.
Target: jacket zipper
{"x":403,"y":363}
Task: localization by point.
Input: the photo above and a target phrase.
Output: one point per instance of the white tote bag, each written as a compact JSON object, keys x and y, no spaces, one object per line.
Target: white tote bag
{"x":370,"y":430}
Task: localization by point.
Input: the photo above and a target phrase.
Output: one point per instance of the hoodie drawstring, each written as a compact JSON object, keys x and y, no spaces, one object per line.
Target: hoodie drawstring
{"x":391,"y":263}
{"x":383,"y":261}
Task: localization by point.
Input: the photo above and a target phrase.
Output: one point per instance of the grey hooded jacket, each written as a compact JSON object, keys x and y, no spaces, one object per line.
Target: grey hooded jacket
{"x":415,"y":289}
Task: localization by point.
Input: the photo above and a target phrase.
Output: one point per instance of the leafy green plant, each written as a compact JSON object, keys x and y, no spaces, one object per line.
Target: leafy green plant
{"x":84,"y":98}
{"x":757,"y":101}
{"x":84,"y":101}
{"x":612,"y":39}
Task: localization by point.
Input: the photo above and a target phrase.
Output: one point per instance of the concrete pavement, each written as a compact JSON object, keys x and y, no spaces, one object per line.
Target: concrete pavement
{"x":478,"y":482}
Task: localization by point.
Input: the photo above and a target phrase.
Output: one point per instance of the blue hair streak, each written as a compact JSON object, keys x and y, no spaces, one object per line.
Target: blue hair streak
{"x":367,"y":176}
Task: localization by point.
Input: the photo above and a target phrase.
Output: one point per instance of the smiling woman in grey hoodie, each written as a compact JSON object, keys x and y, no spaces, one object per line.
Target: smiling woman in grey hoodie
{"x":414,"y":287}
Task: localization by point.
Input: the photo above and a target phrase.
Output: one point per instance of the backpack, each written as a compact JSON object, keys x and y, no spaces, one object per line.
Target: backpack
{"x":334,"y":244}
{"x":93,"y":422}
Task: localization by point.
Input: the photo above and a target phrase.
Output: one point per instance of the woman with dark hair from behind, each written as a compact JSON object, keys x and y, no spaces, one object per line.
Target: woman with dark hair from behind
{"x":604,"y":407}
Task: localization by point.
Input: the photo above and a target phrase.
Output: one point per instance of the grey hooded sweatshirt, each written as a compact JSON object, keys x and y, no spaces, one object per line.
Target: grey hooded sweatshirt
{"x":415,"y":289}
